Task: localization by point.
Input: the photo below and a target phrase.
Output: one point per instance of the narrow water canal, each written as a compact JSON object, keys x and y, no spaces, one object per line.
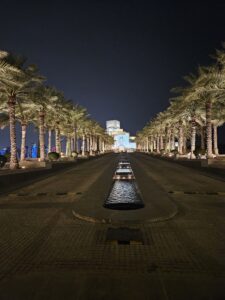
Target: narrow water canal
{"x":124,"y":194}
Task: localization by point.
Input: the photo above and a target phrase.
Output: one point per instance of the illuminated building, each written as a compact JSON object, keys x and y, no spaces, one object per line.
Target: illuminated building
{"x":122,"y":139}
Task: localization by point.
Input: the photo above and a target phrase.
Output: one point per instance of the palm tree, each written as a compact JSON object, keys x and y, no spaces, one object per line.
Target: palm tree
{"x":199,"y":106}
{"x":218,"y":119}
{"x":84,"y":127}
{"x":59,"y":114}
{"x":13,"y":82}
{"x":25,"y":98}
{"x":49,"y":103}
{"x":16,"y":82}
{"x":25,"y":115}
{"x":210,"y":86}
{"x":77,"y":114}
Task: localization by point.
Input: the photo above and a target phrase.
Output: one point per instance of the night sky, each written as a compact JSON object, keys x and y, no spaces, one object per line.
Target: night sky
{"x":117,"y":58}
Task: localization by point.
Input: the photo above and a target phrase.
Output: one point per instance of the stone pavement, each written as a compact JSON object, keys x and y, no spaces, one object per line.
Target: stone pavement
{"x":158,"y":203}
{"x":48,"y":253}
{"x":13,"y":179}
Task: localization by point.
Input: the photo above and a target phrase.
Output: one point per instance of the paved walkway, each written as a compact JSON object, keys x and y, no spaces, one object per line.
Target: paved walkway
{"x":48,"y":253}
{"x":158,"y":204}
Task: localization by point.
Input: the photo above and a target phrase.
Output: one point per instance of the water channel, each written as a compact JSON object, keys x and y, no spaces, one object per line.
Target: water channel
{"x":124,"y":195}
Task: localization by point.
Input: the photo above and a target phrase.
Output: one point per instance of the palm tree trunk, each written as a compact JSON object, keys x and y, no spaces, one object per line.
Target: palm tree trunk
{"x":49,"y":140}
{"x":12,"y":128}
{"x":57,"y":140}
{"x":168,"y":140}
{"x":42,"y":135}
{"x":172,"y":145}
{"x":75,"y":140}
{"x":157,"y":144}
{"x":151,"y":144}
{"x":208,"y":107}
{"x":181,"y":139}
{"x":78,"y":145}
{"x":68,"y":146}
{"x":184,"y":144}
{"x":23,"y":141}
{"x":95,"y":144}
{"x":215,"y":138}
{"x":100,"y":144}
{"x":147,"y":148}
{"x":91,"y":145}
{"x":60,"y":142}
{"x":88,"y":144}
{"x":154,"y":143}
{"x":72,"y":145}
{"x":202,"y":138}
{"x":161,"y":142}
{"x":193,"y":137}
{"x":83,"y":145}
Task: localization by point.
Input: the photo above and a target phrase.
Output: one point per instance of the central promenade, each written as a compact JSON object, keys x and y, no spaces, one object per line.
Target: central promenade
{"x":57,"y":242}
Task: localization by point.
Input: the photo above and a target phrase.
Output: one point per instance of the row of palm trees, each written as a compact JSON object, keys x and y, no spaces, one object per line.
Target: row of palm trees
{"x":197,"y":110}
{"x":24,"y":98}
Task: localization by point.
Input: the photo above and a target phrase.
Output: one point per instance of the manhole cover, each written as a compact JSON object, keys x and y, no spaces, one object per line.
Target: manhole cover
{"x":124,"y":236}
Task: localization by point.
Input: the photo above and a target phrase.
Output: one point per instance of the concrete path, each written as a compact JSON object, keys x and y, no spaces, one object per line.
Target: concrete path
{"x":48,"y":253}
{"x":158,"y":205}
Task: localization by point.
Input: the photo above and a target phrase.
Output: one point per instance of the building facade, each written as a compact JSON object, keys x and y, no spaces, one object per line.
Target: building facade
{"x":122,"y":139}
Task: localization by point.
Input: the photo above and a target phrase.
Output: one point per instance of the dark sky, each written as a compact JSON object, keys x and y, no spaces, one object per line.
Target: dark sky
{"x":117,"y":58}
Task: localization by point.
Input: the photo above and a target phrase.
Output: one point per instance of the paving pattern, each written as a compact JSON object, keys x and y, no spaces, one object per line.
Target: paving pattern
{"x":47,"y":253}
